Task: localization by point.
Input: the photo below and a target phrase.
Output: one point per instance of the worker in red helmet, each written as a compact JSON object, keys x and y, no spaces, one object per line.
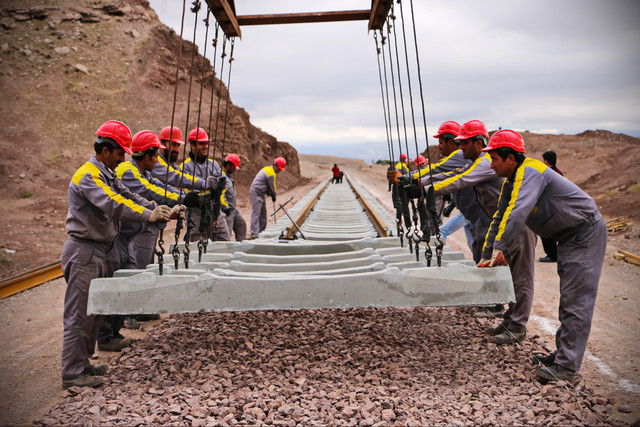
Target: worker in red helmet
{"x":166,"y":169}
{"x":134,"y":247}
{"x":198,"y":164}
{"x":98,"y":201}
{"x":537,"y":197}
{"x":136,"y":175}
{"x":235,"y":221}
{"x":402,"y":165}
{"x":264,"y":184}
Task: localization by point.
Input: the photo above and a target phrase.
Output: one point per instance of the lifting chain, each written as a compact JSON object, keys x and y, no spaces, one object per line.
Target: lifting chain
{"x":160,"y":251}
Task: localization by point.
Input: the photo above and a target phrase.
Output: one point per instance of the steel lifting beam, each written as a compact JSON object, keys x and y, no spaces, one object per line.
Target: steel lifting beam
{"x":379,"y":12}
{"x":225,"y":13}
{"x":304,"y":18}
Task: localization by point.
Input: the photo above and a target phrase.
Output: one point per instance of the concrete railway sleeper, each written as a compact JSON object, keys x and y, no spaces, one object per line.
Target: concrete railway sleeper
{"x":345,"y":261}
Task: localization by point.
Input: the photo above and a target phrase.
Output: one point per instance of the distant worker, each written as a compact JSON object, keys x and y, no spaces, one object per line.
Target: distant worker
{"x":402,"y":166}
{"x":536,"y":196}
{"x":97,"y":203}
{"x":235,"y":222}
{"x":549,"y":245}
{"x":264,"y":184}
{"x":335,"y":170}
{"x":199,"y":165}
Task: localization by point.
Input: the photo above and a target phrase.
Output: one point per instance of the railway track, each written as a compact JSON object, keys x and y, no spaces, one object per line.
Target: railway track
{"x":30,"y":279}
{"x":347,"y":258}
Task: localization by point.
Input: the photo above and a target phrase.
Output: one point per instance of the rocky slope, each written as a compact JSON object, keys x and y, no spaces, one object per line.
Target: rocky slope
{"x":67,"y":66}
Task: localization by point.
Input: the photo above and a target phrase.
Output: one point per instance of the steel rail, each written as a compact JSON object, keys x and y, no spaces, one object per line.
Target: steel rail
{"x":30,"y":279}
{"x":378,"y":223}
{"x":374,"y":217}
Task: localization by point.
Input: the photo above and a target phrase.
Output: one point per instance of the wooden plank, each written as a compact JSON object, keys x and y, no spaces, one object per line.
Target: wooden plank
{"x":303,"y":18}
{"x":629,"y":255}
{"x":379,"y":11}
{"x":225,"y":13}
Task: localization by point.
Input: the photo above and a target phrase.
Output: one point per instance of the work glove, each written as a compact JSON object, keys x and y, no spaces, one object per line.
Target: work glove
{"x":273,"y":198}
{"x":212,"y":182}
{"x":191,"y":199}
{"x":177,"y":211}
{"x":392,"y":176}
{"x":226,"y":210}
{"x":204,"y":201}
{"x":497,"y":258}
{"x":404,"y":180}
{"x":161,"y":213}
{"x":447,"y":211}
{"x":413,"y":191}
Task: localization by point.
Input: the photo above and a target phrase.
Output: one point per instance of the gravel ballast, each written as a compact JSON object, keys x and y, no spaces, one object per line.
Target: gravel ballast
{"x":361,"y":367}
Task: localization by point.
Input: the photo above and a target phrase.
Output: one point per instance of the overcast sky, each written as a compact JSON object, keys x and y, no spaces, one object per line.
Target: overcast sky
{"x":546,"y":66}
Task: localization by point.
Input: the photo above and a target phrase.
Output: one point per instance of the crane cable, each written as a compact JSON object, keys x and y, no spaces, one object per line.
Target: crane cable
{"x":202,"y":242}
{"x":430,"y":192}
{"x":160,"y":252}
{"x":190,"y":224}
{"x":384,"y":110}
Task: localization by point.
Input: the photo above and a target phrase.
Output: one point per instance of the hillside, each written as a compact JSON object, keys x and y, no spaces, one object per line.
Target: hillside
{"x":67,"y":66}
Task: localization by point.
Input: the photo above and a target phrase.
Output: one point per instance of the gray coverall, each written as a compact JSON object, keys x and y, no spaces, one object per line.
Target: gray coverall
{"x":142,"y":243}
{"x":97,"y":202}
{"x":235,"y":221}
{"x":486,"y":185}
{"x":520,"y":254}
{"x":263,"y":184}
{"x":174,"y":176}
{"x":202,"y":170}
{"x":554,"y":207}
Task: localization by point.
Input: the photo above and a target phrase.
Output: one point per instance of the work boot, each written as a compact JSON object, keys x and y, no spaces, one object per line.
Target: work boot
{"x":131,"y":323}
{"x":547,"y":259}
{"x":82,"y":380}
{"x":547,"y":360}
{"x":96,"y":370}
{"x":497,"y":330}
{"x":508,"y":337}
{"x":253,"y":236}
{"x":489,"y":312}
{"x":114,"y":344}
{"x":555,"y":372}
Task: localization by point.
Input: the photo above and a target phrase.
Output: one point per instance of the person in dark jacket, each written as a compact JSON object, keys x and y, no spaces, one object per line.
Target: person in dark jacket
{"x":550,"y":246}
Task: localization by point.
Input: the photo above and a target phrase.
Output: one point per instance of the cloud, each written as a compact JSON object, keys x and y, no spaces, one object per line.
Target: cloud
{"x":563,"y":66}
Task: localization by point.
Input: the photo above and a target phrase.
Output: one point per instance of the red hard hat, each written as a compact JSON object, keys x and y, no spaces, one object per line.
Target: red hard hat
{"x":281,"y":162}
{"x":233,"y":158}
{"x":144,"y":140}
{"x":198,"y":134}
{"x":448,"y":127}
{"x":472,"y":128}
{"x":506,"y":138}
{"x":420,"y":160}
{"x":167,"y":135}
{"x":117,"y":131}
{"x":403,"y":156}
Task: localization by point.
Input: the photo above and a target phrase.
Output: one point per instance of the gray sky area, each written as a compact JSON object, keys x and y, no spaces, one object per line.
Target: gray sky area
{"x":546,"y":66}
